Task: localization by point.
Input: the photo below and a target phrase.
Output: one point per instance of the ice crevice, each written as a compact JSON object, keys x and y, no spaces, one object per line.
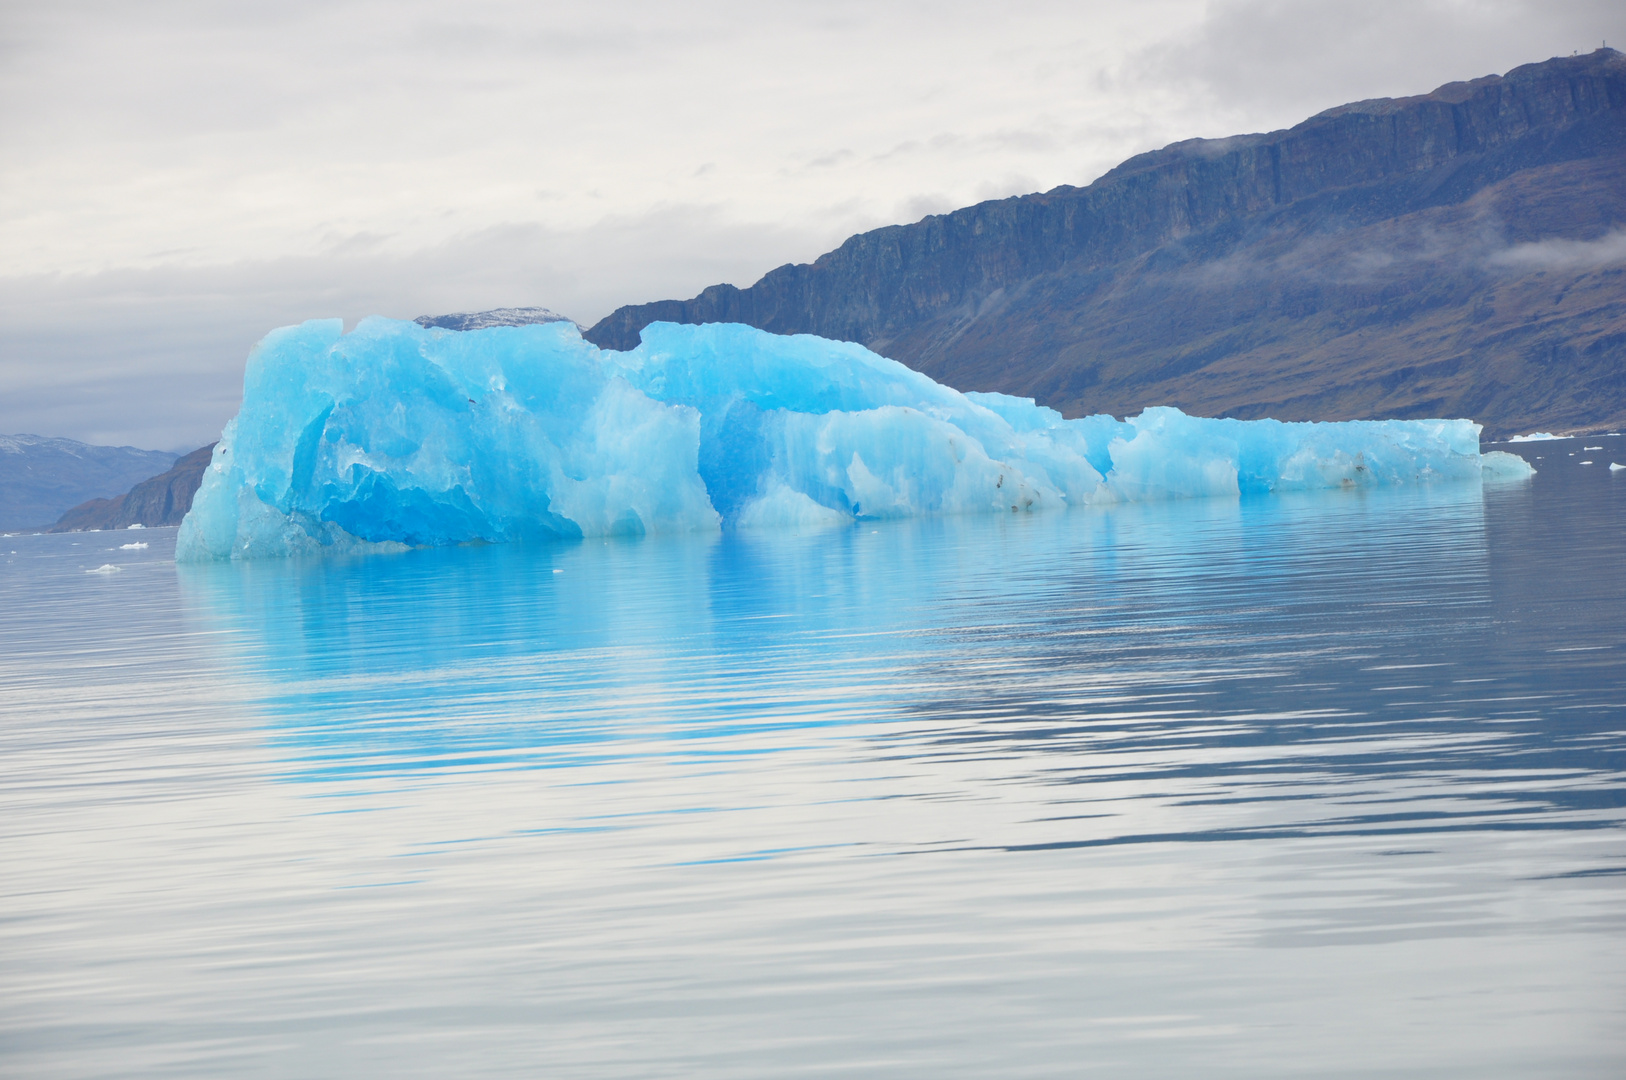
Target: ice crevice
{"x":395,"y":435}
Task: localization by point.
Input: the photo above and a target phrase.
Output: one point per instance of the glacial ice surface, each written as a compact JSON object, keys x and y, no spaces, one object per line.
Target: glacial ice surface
{"x":398,"y":435}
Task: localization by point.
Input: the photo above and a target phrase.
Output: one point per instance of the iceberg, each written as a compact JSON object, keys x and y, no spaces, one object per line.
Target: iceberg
{"x":397,"y":435}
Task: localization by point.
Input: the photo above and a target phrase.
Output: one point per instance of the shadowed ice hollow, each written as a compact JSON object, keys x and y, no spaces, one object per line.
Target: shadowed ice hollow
{"x":401,"y":435}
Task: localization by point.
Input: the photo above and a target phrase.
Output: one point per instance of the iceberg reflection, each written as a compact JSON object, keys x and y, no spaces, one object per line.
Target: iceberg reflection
{"x":530,"y":654}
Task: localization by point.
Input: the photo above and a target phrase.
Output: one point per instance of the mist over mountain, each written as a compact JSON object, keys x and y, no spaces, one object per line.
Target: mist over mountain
{"x":42,"y":477}
{"x":1459,"y":253}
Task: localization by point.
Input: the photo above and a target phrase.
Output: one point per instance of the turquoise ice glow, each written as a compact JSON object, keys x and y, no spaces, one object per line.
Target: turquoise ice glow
{"x":398,"y":435}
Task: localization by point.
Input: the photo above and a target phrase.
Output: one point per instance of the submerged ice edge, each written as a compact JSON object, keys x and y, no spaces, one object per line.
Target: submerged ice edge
{"x":395,"y":435}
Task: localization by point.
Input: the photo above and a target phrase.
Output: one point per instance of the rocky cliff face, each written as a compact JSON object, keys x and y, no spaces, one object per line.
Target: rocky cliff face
{"x":161,"y":500}
{"x":1462,"y":252}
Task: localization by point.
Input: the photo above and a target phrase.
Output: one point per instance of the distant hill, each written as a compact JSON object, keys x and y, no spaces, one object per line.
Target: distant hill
{"x":160,"y":500}
{"x":41,"y":477}
{"x":480,"y":320}
{"x":1461,"y":253}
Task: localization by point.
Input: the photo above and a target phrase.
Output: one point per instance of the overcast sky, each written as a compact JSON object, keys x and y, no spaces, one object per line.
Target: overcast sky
{"x":177,"y":177}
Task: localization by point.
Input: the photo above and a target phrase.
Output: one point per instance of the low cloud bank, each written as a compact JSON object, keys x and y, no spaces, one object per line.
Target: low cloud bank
{"x":1555,"y":254}
{"x":154,"y":358}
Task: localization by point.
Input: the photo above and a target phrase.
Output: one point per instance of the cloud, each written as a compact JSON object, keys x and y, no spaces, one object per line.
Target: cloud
{"x":1571,"y":255}
{"x":921,"y":206}
{"x":154,"y":356}
{"x":1279,"y":61}
{"x":178,"y":176}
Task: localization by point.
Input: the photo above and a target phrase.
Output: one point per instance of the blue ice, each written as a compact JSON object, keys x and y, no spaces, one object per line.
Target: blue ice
{"x":396,"y":435}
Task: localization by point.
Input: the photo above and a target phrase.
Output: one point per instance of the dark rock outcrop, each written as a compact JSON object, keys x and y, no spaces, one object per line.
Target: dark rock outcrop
{"x":161,"y":500}
{"x":41,"y":477}
{"x":1458,"y":253}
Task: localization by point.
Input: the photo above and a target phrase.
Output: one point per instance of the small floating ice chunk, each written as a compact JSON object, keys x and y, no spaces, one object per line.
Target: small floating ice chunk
{"x":137,"y":546}
{"x":1583,"y":462}
{"x":1591,"y":448}
{"x":105,"y":568}
{"x":1613,"y":467}
{"x":1501,"y":465}
{"x":137,"y":525}
{"x":1535,"y":436}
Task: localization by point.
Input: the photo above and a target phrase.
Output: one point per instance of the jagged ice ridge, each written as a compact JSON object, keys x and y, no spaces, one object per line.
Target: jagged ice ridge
{"x":397,"y":435}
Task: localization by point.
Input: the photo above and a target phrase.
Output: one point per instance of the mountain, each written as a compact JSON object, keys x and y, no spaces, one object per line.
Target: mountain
{"x":41,"y":477}
{"x":160,"y":500}
{"x":479,"y":320}
{"x":1460,"y":253}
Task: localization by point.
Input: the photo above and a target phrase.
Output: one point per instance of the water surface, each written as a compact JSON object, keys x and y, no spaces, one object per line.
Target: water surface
{"x":1321,"y":785}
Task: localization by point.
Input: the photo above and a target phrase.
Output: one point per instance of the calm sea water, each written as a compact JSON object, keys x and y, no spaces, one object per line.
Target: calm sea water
{"x":1299,"y":786}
